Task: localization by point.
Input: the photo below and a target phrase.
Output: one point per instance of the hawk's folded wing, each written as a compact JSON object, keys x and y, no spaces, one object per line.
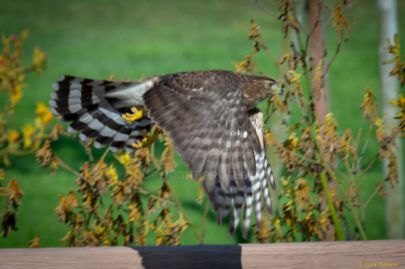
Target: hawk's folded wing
{"x":212,"y":131}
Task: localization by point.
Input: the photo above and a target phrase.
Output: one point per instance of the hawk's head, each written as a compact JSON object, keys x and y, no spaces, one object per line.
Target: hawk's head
{"x":258,"y":88}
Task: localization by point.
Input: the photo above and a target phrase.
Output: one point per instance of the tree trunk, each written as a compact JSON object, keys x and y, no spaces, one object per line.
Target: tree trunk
{"x":317,"y":49}
{"x":394,"y":210}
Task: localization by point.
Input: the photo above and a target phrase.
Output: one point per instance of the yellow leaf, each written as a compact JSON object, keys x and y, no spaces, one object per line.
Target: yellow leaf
{"x":69,"y":238}
{"x":39,"y":60}
{"x":277,"y":223}
{"x":43,"y":113}
{"x":294,"y":76}
{"x":248,"y":65}
{"x":13,"y":135}
{"x":379,"y":122}
{"x":140,"y":143}
{"x":287,"y":57}
{"x":98,"y":230}
{"x":35,"y":242}
{"x":124,"y":158}
{"x":16,"y":95}
{"x":111,"y":172}
{"x":400,"y":102}
{"x":292,"y":141}
{"x":28,"y":130}
{"x":329,"y":118}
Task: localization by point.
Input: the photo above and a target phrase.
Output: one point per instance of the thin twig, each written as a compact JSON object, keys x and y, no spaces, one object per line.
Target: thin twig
{"x":363,"y":209}
{"x":364,"y":148}
{"x":331,"y":61}
{"x":67,"y":167}
{"x":156,"y":196}
{"x":335,"y":218}
{"x":204,"y":217}
{"x":104,"y":154}
{"x":88,"y":151}
{"x":262,"y":7}
{"x":180,"y":207}
{"x":358,"y":224}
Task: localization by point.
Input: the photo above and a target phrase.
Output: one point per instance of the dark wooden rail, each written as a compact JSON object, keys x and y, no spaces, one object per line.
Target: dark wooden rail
{"x":360,"y":254}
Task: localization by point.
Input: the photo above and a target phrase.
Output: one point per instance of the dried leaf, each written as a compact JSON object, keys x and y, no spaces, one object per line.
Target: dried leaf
{"x":398,"y":69}
{"x":339,"y":21}
{"x":9,"y":223}
{"x":64,"y":210}
{"x":167,"y":160}
{"x":44,"y":154}
{"x":14,"y":192}
{"x":35,"y":242}
{"x":369,"y":107}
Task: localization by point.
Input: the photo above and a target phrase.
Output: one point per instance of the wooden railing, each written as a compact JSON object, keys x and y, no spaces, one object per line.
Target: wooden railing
{"x":359,"y":254}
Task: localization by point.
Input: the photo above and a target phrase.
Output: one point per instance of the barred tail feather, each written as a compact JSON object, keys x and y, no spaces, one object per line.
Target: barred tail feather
{"x":239,"y":202}
{"x":245,"y":191}
{"x":95,"y":108}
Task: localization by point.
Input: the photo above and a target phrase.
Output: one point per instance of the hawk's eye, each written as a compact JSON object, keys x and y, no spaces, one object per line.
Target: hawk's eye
{"x":268,"y":84}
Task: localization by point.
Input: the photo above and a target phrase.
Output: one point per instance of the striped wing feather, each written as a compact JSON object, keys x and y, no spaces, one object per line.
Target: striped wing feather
{"x":212,"y":132}
{"x":94,"y":109}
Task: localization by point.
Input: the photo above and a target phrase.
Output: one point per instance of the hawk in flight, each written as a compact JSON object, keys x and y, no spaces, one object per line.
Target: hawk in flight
{"x":210,"y":116}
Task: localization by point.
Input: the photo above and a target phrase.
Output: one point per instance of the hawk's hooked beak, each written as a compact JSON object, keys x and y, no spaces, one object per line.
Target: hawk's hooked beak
{"x":277,"y":88}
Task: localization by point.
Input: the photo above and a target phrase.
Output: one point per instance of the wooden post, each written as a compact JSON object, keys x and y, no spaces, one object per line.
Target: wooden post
{"x":394,"y":209}
{"x":360,"y":254}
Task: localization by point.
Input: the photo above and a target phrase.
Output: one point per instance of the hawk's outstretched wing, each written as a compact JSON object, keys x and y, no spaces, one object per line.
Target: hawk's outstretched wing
{"x":212,"y":131}
{"x":208,"y":116}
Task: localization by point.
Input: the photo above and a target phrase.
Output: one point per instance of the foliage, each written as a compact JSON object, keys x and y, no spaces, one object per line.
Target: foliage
{"x":106,"y":209}
{"x":248,"y":65}
{"x":400,"y":115}
{"x":399,"y":66}
{"x":319,"y":197}
{"x":318,"y":194}
{"x":23,"y":140}
{"x":110,"y":209}
{"x":398,"y":71}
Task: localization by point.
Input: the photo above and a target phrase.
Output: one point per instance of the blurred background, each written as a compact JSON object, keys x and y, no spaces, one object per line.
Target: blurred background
{"x":133,"y":39}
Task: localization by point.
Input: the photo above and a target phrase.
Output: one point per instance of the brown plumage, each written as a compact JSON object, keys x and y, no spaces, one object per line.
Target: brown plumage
{"x":209,"y":115}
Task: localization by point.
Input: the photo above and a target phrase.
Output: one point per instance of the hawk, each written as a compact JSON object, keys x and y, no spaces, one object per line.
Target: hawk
{"x":210,"y":116}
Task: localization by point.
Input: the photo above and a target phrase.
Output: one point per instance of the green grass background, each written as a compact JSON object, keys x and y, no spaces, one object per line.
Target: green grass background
{"x":133,"y":38}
